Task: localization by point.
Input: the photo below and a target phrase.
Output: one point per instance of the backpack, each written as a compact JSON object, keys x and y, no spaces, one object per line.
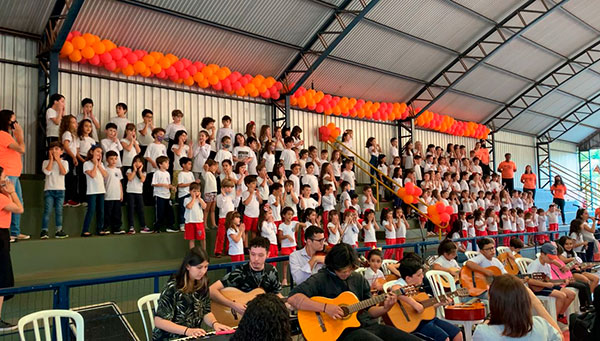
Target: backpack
{"x":582,"y":326}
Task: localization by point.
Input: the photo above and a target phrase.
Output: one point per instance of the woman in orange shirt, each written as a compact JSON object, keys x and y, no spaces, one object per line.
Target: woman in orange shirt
{"x":559,"y":190}
{"x":528,"y":180}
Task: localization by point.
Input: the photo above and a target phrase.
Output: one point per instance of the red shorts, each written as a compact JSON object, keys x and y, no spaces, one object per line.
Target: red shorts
{"x":194,"y":231}
{"x":273,"y":250}
{"x":370,"y":244}
{"x":286,"y":251}
{"x":531,"y":229}
{"x":251,"y":224}
{"x":493,"y":233}
{"x":237,"y":258}
{"x":277,"y":223}
{"x":553,"y":227}
{"x":295,"y":218}
{"x":422,"y":219}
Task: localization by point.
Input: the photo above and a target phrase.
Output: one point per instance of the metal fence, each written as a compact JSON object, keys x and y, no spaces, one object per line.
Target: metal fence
{"x":125,"y":290}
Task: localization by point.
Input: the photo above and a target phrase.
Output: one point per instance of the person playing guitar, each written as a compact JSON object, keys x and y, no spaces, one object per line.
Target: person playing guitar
{"x":560,"y":270}
{"x":412,"y":274}
{"x":508,"y":258}
{"x":563,"y":296}
{"x":337,"y":277}
{"x":446,"y":260}
{"x":486,"y":258}
{"x":568,"y":255}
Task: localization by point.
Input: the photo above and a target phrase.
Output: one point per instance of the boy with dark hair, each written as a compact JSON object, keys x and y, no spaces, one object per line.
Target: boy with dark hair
{"x":225,"y":130}
{"x":114,"y":194}
{"x":185,"y":179}
{"x":55,"y":169}
{"x":54,"y":115}
{"x":121,"y":119}
{"x":161,"y":182}
{"x":288,"y":156}
{"x":251,"y":200}
{"x":153,"y":151}
{"x":111,"y":142}
{"x":145,"y":129}
{"x":87,"y":113}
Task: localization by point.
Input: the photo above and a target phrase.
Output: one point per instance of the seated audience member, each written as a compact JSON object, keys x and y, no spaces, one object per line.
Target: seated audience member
{"x":184,"y":301}
{"x":266,"y":318}
{"x":306,"y":261}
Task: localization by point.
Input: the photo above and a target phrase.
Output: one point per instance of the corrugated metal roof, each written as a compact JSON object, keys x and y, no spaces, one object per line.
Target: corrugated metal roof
{"x":487,"y":82}
{"x":524,"y":59}
{"x":445,"y":24}
{"x":345,"y":80}
{"x":530,"y":123}
{"x":555,"y":104}
{"x":495,"y":10}
{"x":583,"y":85}
{"x":462,"y":107}
{"x":291,"y":21}
{"x":586,"y":10}
{"x":137,"y":28}
{"x":29,"y":16}
{"x":552,"y":33}
{"x":372,"y":45}
{"x":577,"y":134}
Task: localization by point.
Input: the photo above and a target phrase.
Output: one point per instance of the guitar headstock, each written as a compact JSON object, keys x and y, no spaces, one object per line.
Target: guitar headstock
{"x":462,"y":292}
{"x":428,"y":263}
{"x":409,"y":290}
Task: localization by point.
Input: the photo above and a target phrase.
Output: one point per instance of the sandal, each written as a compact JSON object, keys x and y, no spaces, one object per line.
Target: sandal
{"x":86,"y":234}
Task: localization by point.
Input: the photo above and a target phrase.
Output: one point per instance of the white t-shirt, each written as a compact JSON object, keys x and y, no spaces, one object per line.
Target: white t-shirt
{"x":578,"y":238}
{"x":269,"y":161}
{"x":263,"y":188}
{"x":115,"y":146}
{"x":348,"y":175}
{"x":370,"y":233}
{"x":94,"y":134}
{"x":147,"y":139}
{"x":112,"y":183}
{"x":344,"y":197}
{"x":54,"y":180}
{"x":251,"y":210}
{"x":541,"y":330}
{"x":520,"y":224}
{"x":225,"y":204}
{"x":536,"y":266}
{"x":223,"y":154}
{"x":350,"y":234}
{"x":275,"y":209}
{"x":129,"y":155}
{"x":269,"y":231}
{"x":371,"y":276}
{"x":542,"y":227}
{"x":183,"y":153}
{"x":484,"y":262}
{"x":235,"y":248}
{"x":364,"y":205}
{"x":492,"y":225}
{"x":296,"y":180}
{"x":388,"y":234}
{"x":121,"y":123}
{"x":210,"y":183}
{"x":51,"y":128}
{"x":195,"y":214}
{"x":289,"y":158}
{"x":135,"y":186}
{"x":337,"y":168}
{"x":480,"y":225}
{"x":242,"y":152}
{"x":161,"y":177}
{"x":328,"y":202}
{"x":95,"y":185}
{"x":253,"y":163}
{"x":200,"y":155}
{"x":288,"y":230}
{"x":73,"y":142}
{"x":172,"y":129}
{"x":309,"y":202}
{"x":184,"y":177}
{"x":312,"y":181}
{"x":400,"y":229}
{"x":153,"y":151}
{"x":222,"y":132}
{"x":85,"y":144}
{"x":333,"y":238}
{"x":552,"y":217}
{"x":443,"y":262}
{"x":288,"y":202}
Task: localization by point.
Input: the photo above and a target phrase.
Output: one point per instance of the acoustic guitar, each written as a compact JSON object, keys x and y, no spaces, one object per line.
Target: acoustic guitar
{"x":465,"y":312}
{"x":544,"y":278}
{"x":476,"y":282}
{"x":225,"y":314}
{"x":319,"y":326}
{"x":510,"y":265}
{"x":445,"y":282}
{"x":405,"y":318}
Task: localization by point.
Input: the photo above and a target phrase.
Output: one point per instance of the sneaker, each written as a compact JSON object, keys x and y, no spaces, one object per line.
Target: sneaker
{"x":131,"y":231}
{"x":86,"y":234}
{"x":5,"y":326}
{"x":104,"y":233}
{"x":23,"y":236}
{"x":182,"y":228}
{"x":84,"y":204}
{"x":119,"y":232}
{"x":13,"y":239}
{"x":73,"y":203}
{"x":145,"y":230}
{"x":44,"y":234}
{"x":171,"y":230}
{"x":66,"y":204}
{"x":60,"y":234}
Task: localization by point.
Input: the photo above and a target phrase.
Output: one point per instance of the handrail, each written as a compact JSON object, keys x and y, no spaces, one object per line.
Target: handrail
{"x":576,"y":174}
{"x":568,"y":178}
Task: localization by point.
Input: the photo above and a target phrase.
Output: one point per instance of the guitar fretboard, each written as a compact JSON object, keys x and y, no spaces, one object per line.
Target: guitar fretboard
{"x":373,"y":301}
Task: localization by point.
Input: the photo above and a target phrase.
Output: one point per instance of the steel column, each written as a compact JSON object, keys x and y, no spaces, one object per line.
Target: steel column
{"x":406,"y":130}
{"x":543,"y":164}
{"x":480,"y":51}
{"x":280,"y":114}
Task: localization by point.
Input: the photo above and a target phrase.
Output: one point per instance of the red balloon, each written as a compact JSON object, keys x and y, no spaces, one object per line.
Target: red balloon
{"x":275,"y":96}
{"x":445,"y":217}
{"x":449,"y":210}
{"x":319,"y":108}
{"x":409,"y":188}
{"x":265,"y":94}
{"x":106,"y":58}
{"x":417,"y":191}
{"x":162,"y":74}
{"x":183,"y":74}
{"x":110,"y":66}
{"x":178,"y":66}
{"x":236,"y":85}
{"x":122,"y":63}
{"x":95,"y":60}
{"x":116,"y":54}
{"x":171,"y":71}
{"x":218,"y":86}
{"x":440,"y":207}
{"x":140,"y":53}
{"x":131,"y":58}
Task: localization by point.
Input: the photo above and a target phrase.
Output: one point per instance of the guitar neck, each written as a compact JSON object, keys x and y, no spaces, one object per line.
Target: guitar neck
{"x":435,"y":300}
{"x":373,"y":301}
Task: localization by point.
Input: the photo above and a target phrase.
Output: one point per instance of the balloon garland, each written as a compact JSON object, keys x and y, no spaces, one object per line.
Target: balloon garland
{"x":90,"y":49}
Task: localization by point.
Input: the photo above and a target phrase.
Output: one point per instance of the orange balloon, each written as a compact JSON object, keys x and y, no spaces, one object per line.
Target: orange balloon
{"x":165,"y":63}
{"x":67,"y":48}
{"x":108,"y":45}
{"x":139,"y":66}
{"x":156,"y":55}
{"x":87,"y":52}
{"x":221,"y":74}
{"x":78,"y":42}
{"x":156,"y":69}
{"x":149,"y":60}
{"x":188,"y":81}
{"x":207,"y":72}
{"x":250,"y":88}
{"x":146,"y":73}
{"x":172,"y":58}
{"x":75,"y":56}
{"x":99,"y":48}
{"x":128,"y":71}
{"x":89,"y":38}
{"x":240,"y":92}
{"x":203,"y":84}
{"x":293,"y":100}
{"x":198,"y":77}
{"x":213,"y":79}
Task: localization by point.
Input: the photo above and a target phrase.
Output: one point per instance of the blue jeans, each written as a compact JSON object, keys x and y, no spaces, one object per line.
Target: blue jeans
{"x":95,"y":205}
{"x":15,"y":219}
{"x":53,"y":199}
{"x":437,"y":329}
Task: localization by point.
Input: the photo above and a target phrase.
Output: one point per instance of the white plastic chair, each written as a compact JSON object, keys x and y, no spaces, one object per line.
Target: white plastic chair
{"x":46,"y":316}
{"x":471,"y":254}
{"x":145,"y":303}
{"x":384,"y":265}
{"x":361,"y":271}
{"x":537,"y":255}
{"x":435,"y":280}
{"x":549,"y":302}
{"x":502,"y":249}
{"x":388,"y":285}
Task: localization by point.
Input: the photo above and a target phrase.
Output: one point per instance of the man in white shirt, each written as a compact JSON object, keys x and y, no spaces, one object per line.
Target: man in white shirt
{"x":305,"y":262}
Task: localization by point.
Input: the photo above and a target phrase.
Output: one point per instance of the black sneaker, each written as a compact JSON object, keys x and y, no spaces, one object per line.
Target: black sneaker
{"x":44,"y":234}
{"x":60,"y":234}
{"x":5,"y":326}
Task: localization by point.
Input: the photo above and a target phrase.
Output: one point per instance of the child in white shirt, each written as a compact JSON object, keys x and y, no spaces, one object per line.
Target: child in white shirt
{"x":369,"y":228}
{"x":161,"y":182}
{"x":235,"y":236}
{"x":225,"y":203}
{"x":94,"y":174}
{"x":55,"y":170}
{"x":306,"y":201}
{"x":225,"y":130}
{"x":111,"y":142}
{"x":348,"y":174}
{"x":251,"y":200}
{"x":287,"y":236}
{"x":114,"y":194}
{"x":224,"y":153}
{"x":387,"y":222}
{"x":350,"y":228}
{"x":333,"y":227}
{"x":121,"y":119}
{"x":373,"y":273}
{"x":194,"y":217}
{"x":268,"y":229}
{"x":153,"y":152}
{"x":135,"y":201}
{"x":210,"y":190}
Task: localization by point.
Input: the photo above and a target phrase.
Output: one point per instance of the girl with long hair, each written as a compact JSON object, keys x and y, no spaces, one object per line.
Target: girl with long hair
{"x":70,"y":143}
{"x":184,"y":302}
{"x":588,"y":232}
{"x":558,"y":190}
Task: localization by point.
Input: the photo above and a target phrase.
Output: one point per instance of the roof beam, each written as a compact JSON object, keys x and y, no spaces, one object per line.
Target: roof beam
{"x":307,"y":67}
{"x":480,"y":51}
{"x":578,"y":115}
{"x":590,"y":142}
{"x":553,"y":80}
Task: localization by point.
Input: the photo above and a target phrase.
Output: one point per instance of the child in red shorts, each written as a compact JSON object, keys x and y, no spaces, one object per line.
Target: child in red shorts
{"x":194,"y":217}
{"x":225,"y":203}
{"x":287,"y":235}
{"x":235,"y":235}
{"x":268,"y":229}
{"x":251,"y":201}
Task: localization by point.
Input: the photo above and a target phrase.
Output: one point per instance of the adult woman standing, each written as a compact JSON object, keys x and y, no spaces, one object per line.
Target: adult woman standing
{"x":528,"y":179}
{"x":511,"y":306}
{"x":588,"y":233}
{"x":558,"y":190}
{"x":11,"y":151}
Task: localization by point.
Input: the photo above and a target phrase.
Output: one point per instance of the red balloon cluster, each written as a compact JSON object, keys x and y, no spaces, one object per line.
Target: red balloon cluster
{"x":347,"y":107}
{"x":448,"y":125}
{"x":439,"y":213}
{"x":329,"y":132}
{"x":88,"y":48}
{"x":410,"y":193}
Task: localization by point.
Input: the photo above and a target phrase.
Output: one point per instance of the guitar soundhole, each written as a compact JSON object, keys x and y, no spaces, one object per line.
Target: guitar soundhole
{"x":346,"y":311}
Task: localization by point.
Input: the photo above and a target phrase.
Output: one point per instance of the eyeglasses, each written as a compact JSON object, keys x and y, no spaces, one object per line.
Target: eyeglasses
{"x":489,"y":248}
{"x":318,"y":240}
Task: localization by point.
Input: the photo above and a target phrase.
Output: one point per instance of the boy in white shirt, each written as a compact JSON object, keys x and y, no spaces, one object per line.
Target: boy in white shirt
{"x":145,"y":129}
{"x":251,"y":200}
{"x":485,"y":258}
{"x":348,"y":174}
{"x":87,"y":113}
{"x":210,"y":190}
{"x":253,"y":144}
{"x":311,"y":180}
{"x":446,"y":260}
{"x":225,"y":205}
{"x":394,"y":149}
{"x":225,"y":130}
{"x":54,"y":115}
{"x":170,"y":131}
{"x":184,"y":179}
{"x":194,"y":217}
{"x":121,"y":119}
{"x":161,"y":182}
{"x":288,"y":156}
{"x":552,"y":216}
{"x":306,"y":201}
{"x":328,"y":202}
{"x":290,"y":199}
{"x":295,"y":178}
{"x":224,"y":153}
{"x":55,"y":170}
{"x":111,"y":142}
{"x":153,"y":151}
{"x":345,"y":201}
{"x":114,"y":194}
{"x":263,"y":181}
{"x":276,"y":202}
{"x":367,"y":200}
